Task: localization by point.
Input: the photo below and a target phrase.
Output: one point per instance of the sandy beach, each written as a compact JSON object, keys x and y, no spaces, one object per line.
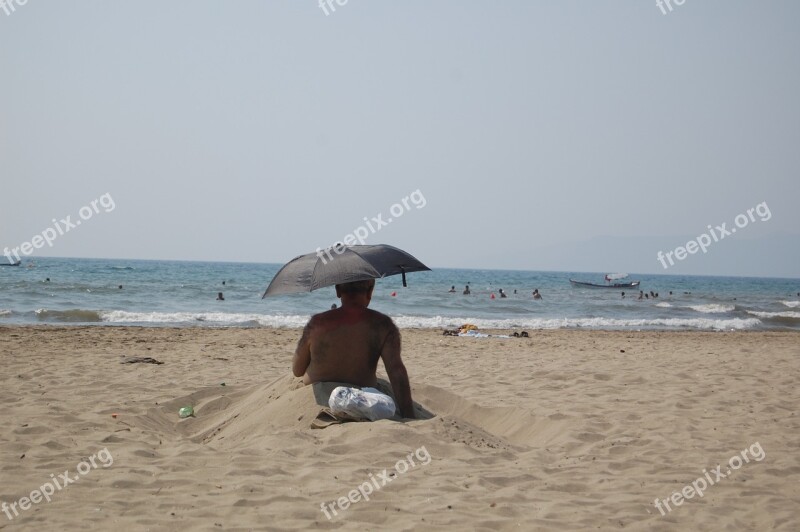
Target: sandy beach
{"x":566,"y":430}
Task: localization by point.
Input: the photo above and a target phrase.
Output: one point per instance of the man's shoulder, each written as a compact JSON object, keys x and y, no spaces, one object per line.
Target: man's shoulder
{"x":331,"y":318}
{"x":380,"y":316}
{"x":316,"y":319}
{"x":323,"y":316}
{"x":377,"y":319}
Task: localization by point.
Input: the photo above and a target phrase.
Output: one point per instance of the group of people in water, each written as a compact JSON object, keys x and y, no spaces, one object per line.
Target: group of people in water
{"x":535,"y":293}
{"x":644,"y":295}
{"x":648,"y":296}
{"x":467,"y":291}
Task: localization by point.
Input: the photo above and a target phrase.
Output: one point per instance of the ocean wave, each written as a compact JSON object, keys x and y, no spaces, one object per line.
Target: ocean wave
{"x":663,"y":304}
{"x":787,"y":314}
{"x":712,"y":308}
{"x":791,"y":304}
{"x":208,"y":318}
{"x":5,"y":313}
{"x":121,"y":268}
{"x":74,"y":315}
{"x":415,"y":322}
{"x":296,"y":321}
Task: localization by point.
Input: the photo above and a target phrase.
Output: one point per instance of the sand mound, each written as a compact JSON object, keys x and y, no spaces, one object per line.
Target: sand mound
{"x":227,"y":418}
{"x":511,"y":424}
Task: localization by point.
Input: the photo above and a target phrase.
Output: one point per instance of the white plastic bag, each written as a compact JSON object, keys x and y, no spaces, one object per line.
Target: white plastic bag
{"x":367,"y":403}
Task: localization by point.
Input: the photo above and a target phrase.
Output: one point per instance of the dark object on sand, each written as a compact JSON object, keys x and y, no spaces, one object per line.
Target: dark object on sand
{"x":523,"y":334}
{"x":140,"y":360}
{"x":342,"y":264}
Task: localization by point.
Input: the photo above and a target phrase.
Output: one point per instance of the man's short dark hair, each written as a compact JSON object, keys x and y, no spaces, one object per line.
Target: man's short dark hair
{"x":356,"y":287}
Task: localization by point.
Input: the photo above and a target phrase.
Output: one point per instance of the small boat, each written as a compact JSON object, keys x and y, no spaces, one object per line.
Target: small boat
{"x":632,"y":284}
{"x":610,"y":277}
{"x":10,"y":263}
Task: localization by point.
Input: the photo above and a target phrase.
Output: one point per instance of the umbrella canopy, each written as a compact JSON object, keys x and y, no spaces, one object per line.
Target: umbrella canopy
{"x":329,"y":267}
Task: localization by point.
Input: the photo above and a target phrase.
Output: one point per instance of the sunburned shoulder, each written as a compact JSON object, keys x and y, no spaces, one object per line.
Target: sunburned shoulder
{"x":378,"y":315}
{"x":339,"y":316}
{"x":379,"y":318}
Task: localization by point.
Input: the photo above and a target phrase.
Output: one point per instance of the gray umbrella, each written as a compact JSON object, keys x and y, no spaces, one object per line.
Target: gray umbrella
{"x":329,"y":267}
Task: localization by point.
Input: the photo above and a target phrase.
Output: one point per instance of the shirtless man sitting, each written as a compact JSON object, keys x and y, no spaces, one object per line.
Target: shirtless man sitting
{"x":344,"y":345}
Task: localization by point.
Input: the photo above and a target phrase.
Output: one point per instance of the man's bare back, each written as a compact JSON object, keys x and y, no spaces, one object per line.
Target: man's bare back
{"x":344,"y":345}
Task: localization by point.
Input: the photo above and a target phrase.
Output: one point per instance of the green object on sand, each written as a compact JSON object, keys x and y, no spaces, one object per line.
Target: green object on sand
{"x":186,"y":411}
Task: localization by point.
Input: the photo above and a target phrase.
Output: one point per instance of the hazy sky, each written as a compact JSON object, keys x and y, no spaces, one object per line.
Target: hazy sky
{"x":567,"y":135}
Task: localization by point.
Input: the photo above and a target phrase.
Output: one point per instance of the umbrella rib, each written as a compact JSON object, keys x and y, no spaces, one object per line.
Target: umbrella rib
{"x":378,"y":275}
{"x":319,"y":265}
{"x":365,"y":261}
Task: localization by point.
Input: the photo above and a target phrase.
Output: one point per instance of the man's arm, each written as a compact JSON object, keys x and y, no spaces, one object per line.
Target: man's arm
{"x":398,"y":376}
{"x":302,"y":355}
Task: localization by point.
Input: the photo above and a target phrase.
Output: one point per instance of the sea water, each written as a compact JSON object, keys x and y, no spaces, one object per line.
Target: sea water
{"x":174,"y":293}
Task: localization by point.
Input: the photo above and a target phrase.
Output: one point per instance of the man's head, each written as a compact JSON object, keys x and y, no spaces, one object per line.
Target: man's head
{"x":357,"y":292}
